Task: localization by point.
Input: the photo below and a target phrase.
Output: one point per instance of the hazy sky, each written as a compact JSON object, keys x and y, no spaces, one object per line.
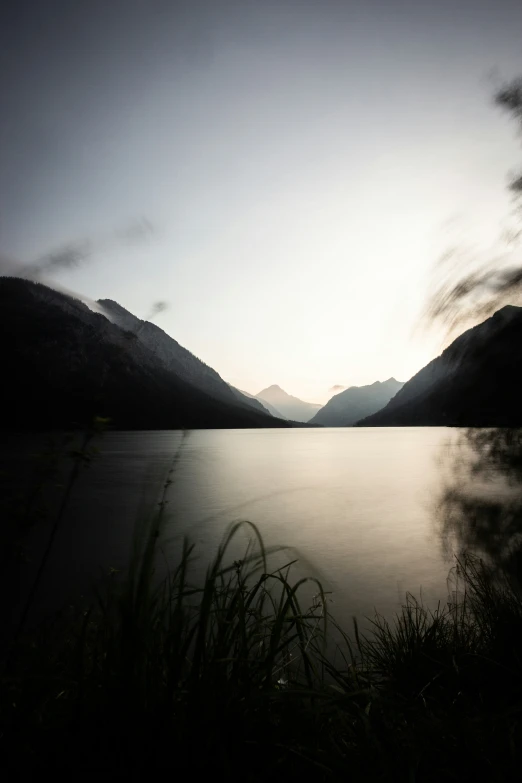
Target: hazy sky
{"x":305,"y":162}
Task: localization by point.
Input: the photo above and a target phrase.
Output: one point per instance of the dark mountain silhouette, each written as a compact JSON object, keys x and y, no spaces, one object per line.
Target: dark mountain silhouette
{"x":172,"y":355}
{"x":63,"y":363}
{"x":347,"y":407}
{"x":475,"y":382}
{"x":290,"y":407}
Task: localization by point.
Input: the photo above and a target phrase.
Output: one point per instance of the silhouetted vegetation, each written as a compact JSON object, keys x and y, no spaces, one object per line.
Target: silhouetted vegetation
{"x":233,"y":677}
{"x":463,"y":298}
{"x":236,"y":678}
{"x":476,"y":380}
{"x":480,"y":509}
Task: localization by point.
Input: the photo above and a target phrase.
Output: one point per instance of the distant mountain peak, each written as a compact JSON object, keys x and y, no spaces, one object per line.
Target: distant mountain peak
{"x":290,"y":407}
{"x":274,"y":391}
{"x":347,"y":407}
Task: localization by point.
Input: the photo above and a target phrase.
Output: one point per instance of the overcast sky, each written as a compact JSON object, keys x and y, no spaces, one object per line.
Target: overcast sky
{"x":304,"y":163}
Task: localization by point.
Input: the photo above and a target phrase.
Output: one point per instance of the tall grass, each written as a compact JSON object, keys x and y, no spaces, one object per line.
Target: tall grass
{"x":202,"y":664}
{"x":235,"y":677}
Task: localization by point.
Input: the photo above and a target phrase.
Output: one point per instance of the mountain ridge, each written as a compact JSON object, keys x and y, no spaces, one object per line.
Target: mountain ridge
{"x":86,"y":365}
{"x":474,"y":381}
{"x":292,"y":408}
{"x":347,"y":407}
{"x":174,"y":356}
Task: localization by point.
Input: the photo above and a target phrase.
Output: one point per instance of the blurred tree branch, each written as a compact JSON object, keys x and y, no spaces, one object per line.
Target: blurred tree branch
{"x":462,"y":297}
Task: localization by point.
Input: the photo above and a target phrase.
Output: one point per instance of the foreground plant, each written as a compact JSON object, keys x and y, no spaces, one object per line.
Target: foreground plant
{"x":233,"y":678}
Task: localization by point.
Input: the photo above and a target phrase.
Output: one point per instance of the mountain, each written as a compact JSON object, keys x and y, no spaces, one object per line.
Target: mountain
{"x":290,"y":407}
{"x":172,"y":355}
{"x":475,"y":382}
{"x":264,"y":405}
{"x":347,"y":407}
{"x":63,"y":363}
{"x":178,"y":359}
{"x":249,"y":399}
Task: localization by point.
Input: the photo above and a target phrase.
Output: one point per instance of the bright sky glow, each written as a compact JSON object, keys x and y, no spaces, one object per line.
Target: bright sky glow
{"x":305,"y":163}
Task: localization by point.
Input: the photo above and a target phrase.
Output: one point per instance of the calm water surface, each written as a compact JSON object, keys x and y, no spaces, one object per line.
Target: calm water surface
{"x":357,"y":505}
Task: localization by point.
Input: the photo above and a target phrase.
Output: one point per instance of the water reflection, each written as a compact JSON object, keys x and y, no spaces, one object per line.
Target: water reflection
{"x":354,"y":503}
{"x":480,"y":507}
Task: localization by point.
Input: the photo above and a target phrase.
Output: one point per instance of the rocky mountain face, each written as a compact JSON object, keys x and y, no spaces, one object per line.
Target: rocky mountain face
{"x":475,"y":382}
{"x":64,"y":363}
{"x":347,"y":407}
{"x":290,"y":407}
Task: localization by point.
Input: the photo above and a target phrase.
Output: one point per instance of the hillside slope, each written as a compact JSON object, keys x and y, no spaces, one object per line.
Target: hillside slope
{"x":173,"y":356}
{"x":475,"y":382}
{"x":63,"y":364}
{"x":347,"y":407}
{"x":290,"y":407}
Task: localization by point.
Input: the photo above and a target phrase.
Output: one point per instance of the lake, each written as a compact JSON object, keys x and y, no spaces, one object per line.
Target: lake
{"x":358,"y":506}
